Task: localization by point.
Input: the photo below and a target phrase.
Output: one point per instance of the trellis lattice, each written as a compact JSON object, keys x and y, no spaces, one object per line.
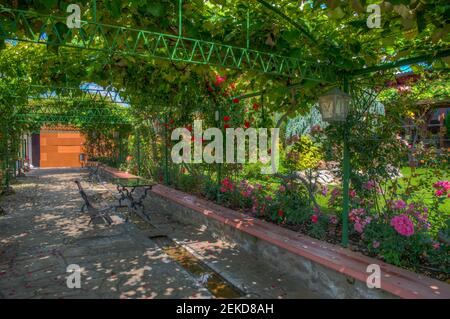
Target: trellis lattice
{"x":50,"y":30}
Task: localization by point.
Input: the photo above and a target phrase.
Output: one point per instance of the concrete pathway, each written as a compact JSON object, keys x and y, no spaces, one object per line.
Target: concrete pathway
{"x":43,"y":232}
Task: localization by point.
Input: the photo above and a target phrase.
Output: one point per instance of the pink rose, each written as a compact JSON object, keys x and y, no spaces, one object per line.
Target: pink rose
{"x":403,"y":225}
{"x":359,"y":227}
{"x":439,"y":192}
{"x":333,"y":219}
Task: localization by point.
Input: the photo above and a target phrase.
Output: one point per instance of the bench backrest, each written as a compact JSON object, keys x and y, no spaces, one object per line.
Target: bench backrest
{"x":83,"y":194}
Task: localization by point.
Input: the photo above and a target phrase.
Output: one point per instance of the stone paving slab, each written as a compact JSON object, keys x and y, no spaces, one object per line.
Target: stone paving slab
{"x":44,"y":231}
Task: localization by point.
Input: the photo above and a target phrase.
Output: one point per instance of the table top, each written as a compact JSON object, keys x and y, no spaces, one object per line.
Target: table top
{"x":133,"y":182}
{"x":92,"y":163}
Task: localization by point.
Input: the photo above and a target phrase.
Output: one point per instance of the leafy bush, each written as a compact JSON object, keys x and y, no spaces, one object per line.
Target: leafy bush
{"x":302,"y":153}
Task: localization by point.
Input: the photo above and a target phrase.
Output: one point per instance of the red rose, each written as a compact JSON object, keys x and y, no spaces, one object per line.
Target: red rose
{"x":220,"y":80}
{"x":226,"y":126}
{"x":236,"y":100}
{"x":314,"y":218}
{"x":246,"y":124}
{"x":256,"y":106}
{"x":280,"y":213}
{"x":226,"y":118}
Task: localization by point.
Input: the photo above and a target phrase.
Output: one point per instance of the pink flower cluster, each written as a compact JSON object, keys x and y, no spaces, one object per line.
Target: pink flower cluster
{"x":333,"y":219}
{"x":324,"y":190}
{"x":397,"y":204}
{"x":414,"y":212}
{"x":420,"y":214}
{"x":359,"y":218}
{"x":227,"y":185}
{"x":248,"y":191}
{"x":442,"y":188}
{"x":220,"y":80}
{"x":246,"y":188}
{"x":403,"y":225}
{"x":371,"y":184}
{"x":334,"y":194}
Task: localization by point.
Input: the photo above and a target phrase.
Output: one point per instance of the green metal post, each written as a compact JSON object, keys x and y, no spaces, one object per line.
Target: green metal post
{"x":119,"y":153}
{"x":219,"y":165}
{"x":166,"y":153}
{"x":248,"y":29}
{"x":346,"y":179}
{"x":7,"y":163}
{"x":138,"y":155}
{"x":262,"y":108}
{"x":94,"y":10}
{"x":180,"y":18}
{"x":13,"y":161}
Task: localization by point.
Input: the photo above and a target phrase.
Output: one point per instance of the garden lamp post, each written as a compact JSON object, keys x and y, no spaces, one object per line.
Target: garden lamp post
{"x":334,"y":107}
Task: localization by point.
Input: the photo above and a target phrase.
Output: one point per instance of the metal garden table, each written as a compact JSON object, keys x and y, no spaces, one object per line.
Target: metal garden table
{"x":127,"y":188}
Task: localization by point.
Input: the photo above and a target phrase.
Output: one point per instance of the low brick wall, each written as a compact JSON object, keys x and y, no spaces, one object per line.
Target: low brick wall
{"x":328,"y":270}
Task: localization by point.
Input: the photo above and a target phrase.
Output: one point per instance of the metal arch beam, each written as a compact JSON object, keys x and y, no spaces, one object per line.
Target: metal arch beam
{"x":34,"y":92}
{"x":259,"y":93}
{"x":54,"y":114}
{"x":402,"y":62}
{"x":66,"y":119}
{"x":78,"y":94}
{"x":41,"y":29}
{"x":85,"y":104}
{"x":301,"y":28}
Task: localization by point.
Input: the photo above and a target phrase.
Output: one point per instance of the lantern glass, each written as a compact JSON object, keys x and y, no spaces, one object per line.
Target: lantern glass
{"x":334,"y":106}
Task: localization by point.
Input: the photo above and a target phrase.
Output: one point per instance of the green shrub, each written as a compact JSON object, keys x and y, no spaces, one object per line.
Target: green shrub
{"x":303,"y":154}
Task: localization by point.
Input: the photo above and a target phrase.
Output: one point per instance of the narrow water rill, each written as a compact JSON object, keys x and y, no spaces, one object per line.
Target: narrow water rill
{"x":206,"y":277}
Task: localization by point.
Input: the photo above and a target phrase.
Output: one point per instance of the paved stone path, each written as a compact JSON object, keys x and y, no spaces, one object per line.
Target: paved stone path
{"x":43,"y":231}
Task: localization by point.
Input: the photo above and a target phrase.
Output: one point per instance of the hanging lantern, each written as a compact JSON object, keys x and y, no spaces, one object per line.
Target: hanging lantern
{"x":334,"y":106}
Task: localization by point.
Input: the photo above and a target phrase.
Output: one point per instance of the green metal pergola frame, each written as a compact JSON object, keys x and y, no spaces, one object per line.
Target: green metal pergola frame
{"x":129,"y":41}
{"x":177,"y":48}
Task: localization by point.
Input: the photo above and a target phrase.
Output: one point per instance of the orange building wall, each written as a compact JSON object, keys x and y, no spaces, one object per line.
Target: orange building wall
{"x":61,"y":148}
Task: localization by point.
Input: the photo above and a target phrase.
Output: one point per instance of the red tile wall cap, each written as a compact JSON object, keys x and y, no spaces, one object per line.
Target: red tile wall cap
{"x":118,"y":173}
{"x":397,"y":281}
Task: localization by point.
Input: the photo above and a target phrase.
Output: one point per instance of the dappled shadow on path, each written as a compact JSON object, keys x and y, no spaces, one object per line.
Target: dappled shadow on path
{"x":44,"y":231}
